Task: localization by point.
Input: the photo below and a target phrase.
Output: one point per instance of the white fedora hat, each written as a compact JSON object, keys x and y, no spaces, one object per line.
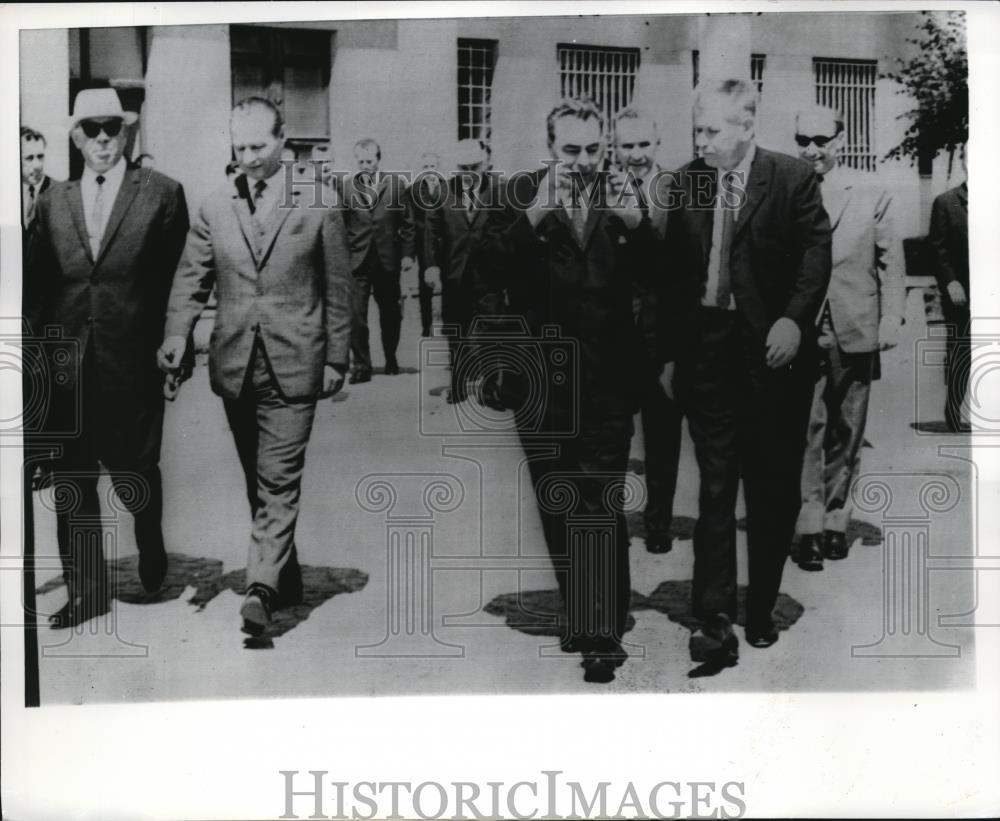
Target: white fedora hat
{"x":92,"y":103}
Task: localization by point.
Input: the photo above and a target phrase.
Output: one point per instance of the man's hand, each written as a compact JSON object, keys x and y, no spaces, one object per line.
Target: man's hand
{"x":956,"y":293}
{"x":625,"y":202}
{"x":432,"y":277}
{"x":667,"y":380}
{"x":888,"y":332}
{"x":170,"y":354}
{"x":172,"y":385}
{"x":333,"y":381}
{"x":783,"y":342}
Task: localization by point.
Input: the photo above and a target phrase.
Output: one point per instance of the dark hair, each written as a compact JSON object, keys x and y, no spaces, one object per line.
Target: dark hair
{"x":583,"y":108}
{"x":248,"y":103}
{"x":31,"y":134}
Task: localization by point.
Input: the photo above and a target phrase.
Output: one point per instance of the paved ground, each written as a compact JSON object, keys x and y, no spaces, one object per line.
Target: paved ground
{"x":458,"y":507}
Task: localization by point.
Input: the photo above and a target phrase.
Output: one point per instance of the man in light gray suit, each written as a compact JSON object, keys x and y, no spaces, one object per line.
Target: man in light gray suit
{"x":281,"y":339}
{"x":861,"y":316}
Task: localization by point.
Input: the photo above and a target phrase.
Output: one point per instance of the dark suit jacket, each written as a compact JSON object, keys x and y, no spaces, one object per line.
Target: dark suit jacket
{"x":391,"y":229}
{"x":780,"y":256}
{"x":422,"y":202}
{"x":43,"y":186}
{"x":949,"y":239}
{"x":292,"y":285}
{"x":585,"y":290}
{"x":116,"y":302}
{"x":458,"y":246}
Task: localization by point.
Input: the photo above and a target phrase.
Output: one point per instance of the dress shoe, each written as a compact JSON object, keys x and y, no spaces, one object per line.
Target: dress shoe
{"x":715,"y":642}
{"x":74,"y":613}
{"x":598,"y":670}
{"x":391,"y":367}
{"x":573,"y":644}
{"x":761,"y":635}
{"x":256,"y":609}
{"x":357,"y":377}
{"x":152,"y":568}
{"x":808,"y":554}
{"x":835,"y":545}
{"x":608,"y":651}
{"x":659,"y":544}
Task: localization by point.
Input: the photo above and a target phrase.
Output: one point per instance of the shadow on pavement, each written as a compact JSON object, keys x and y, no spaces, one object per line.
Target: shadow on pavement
{"x":319,"y":584}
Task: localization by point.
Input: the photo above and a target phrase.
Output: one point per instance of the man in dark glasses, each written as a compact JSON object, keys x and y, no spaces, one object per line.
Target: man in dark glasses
{"x":861,"y":316}
{"x":98,"y":271}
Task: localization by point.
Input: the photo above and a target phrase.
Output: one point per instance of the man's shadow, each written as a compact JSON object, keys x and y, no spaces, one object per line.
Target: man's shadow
{"x":319,"y":585}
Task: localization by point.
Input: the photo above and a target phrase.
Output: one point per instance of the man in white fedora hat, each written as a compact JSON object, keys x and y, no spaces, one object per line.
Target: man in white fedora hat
{"x":99,"y":269}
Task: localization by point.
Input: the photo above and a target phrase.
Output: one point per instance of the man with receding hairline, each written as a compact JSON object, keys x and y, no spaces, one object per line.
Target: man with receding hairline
{"x":281,"y":272}
{"x":744,"y":281}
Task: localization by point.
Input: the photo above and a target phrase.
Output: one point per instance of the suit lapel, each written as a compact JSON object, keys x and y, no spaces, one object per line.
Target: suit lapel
{"x":279,"y":214}
{"x":838,"y":206}
{"x":74,"y":201}
{"x":241,"y":207}
{"x":127,"y":192}
{"x":758,"y":184}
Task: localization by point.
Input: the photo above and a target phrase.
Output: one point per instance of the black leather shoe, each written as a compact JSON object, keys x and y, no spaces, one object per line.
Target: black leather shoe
{"x":835,"y":545}
{"x":77,"y":612}
{"x":573,"y":644}
{"x":152,"y":568}
{"x":659,"y":544}
{"x":256,"y":609}
{"x":358,"y":377}
{"x":598,"y":670}
{"x":809,"y":552}
{"x":715,"y":642}
{"x":761,"y":636}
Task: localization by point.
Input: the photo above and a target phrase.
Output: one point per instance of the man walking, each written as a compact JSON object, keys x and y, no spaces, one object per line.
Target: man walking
{"x":636,"y":143}
{"x":380,"y":234}
{"x":101,"y":258}
{"x":426,"y":194}
{"x":565,"y":248}
{"x":861,"y":316}
{"x":748,"y":252}
{"x":949,"y":242}
{"x":282,"y":330}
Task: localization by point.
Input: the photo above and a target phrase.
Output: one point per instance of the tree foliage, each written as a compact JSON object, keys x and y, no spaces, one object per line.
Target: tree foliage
{"x":937,"y":78}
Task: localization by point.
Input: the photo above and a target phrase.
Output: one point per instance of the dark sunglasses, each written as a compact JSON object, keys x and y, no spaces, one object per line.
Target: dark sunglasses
{"x":803,"y":140}
{"x":94,"y":127}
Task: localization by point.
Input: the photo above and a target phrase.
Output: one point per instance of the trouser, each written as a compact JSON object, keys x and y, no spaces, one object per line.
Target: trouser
{"x":271,"y":434}
{"x":371,"y":279}
{"x":834,"y":439}
{"x":122,"y":430}
{"x":425,"y":296}
{"x":583,"y":521}
{"x":957,"y":364}
{"x":458,"y":307}
{"x":661,"y":433}
{"x":749,"y":422}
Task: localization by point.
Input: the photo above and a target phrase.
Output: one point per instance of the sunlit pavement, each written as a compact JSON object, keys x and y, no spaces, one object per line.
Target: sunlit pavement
{"x":417,"y":530}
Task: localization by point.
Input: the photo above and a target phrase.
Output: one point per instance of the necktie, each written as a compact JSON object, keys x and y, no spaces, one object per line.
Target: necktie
{"x":470,"y":206}
{"x":97,"y":217}
{"x":30,"y":210}
{"x":724,"y":291}
{"x":258,"y":195}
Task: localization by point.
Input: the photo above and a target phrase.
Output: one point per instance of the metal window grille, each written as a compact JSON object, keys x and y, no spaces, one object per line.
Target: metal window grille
{"x":849,"y":85}
{"x":476,"y":62}
{"x":607,"y":75}
{"x":757,"y":63}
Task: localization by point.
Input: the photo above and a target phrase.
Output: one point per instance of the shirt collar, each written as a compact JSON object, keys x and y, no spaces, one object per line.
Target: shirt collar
{"x":112,"y":176}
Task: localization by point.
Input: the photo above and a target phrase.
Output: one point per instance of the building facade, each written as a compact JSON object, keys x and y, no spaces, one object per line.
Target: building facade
{"x":419,"y":85}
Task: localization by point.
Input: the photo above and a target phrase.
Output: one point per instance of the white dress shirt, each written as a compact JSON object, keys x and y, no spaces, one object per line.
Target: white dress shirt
{"x":714,"y":257}
{"x":88,"y":189}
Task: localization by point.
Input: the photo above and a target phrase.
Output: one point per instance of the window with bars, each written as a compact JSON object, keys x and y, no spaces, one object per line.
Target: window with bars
{"x":849,"y":85}
{"x":290,"y":67}
{"x":476,"y":62}
{"x":757,"y":63}
{"x":607,"y":75}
